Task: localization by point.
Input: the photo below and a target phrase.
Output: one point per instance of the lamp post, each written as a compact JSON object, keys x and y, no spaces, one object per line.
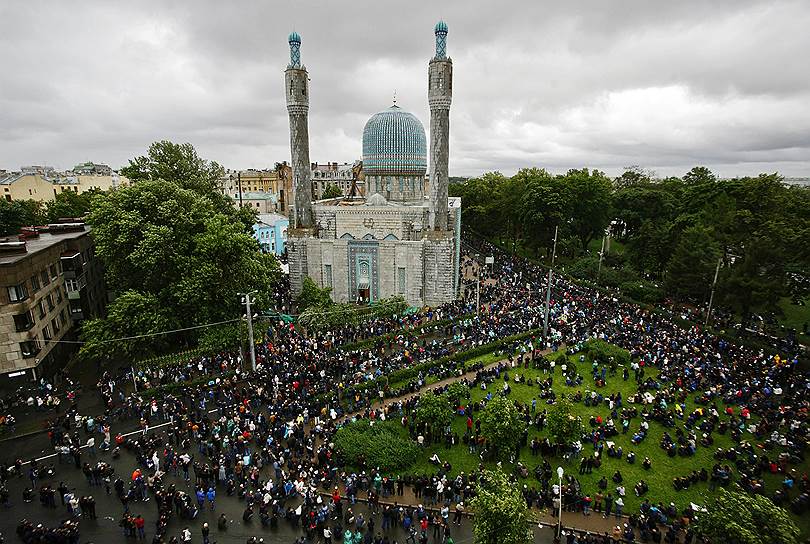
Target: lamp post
{"x":560,"y":473}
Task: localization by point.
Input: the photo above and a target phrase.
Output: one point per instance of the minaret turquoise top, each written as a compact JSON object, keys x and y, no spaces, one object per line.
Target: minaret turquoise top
{"x":441,"y":40}
{"x":295,"y":50}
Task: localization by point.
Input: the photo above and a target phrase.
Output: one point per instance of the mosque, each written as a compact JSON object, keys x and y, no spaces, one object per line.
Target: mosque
{"x":401,"y":238}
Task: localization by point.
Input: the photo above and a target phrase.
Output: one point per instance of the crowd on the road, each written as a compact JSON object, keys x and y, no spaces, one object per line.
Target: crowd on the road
{"x":264,"y":438}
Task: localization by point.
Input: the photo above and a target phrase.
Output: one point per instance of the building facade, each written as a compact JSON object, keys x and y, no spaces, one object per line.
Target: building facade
{"x":43,"y":183}
{"x":397,"y":238}
{"x":266,"y":191}
{"x":344,"y":176}
{"x":50,"y":280}
{"x":271,"y":232}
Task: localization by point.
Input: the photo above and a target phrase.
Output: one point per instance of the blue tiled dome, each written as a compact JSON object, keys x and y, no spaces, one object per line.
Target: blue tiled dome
{"x":294,"y":37}
{"x":441,"y":26}
{"x":394,"y":143}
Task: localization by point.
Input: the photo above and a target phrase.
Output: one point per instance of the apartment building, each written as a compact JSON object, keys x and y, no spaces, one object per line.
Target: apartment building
{"x":50,"y":281}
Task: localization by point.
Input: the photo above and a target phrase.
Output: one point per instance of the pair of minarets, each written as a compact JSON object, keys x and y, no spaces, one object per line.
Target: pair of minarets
{"x":440,"y":94}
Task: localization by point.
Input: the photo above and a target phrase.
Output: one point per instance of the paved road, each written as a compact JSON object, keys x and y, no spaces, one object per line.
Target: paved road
{"x":105,"y":529}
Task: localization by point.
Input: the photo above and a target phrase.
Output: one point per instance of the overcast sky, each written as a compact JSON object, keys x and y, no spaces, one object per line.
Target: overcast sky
{"x":600,"y":84}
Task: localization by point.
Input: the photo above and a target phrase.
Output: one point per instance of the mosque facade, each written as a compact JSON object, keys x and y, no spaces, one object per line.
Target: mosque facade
{"x":400,"y":237}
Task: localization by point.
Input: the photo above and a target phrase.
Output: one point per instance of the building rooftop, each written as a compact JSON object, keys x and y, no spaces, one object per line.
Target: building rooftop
{"x":41,"y":243}
{"x":271,"y":218}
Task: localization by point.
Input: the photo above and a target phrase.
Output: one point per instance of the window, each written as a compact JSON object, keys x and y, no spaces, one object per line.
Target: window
{"x":34,"y":283}
{"x":16,"y":293}
{"x":23,"y":322}
{"x":46,"y":333}
{"x":49,"y":298}
{"x":59,"y":295}
{"x":57,"y":324}
{"x":29,"y":349}
{"x":42,"y":310}
{"x":44,"y":276}
{"x":401,"y":280}
{"x":52,"y":271}
{"x":327,"y":275}
{"x":71,"y":285}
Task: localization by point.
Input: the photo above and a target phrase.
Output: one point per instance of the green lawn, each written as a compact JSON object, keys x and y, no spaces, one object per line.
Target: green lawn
{"x":795,"y":317}
{"x":659,"y":478}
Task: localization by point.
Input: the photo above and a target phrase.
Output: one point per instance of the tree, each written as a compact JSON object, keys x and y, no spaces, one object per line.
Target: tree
{"x":69,"y":204}
{"x":172,"y":247}
{"x":564,"y":426}
{"x":502,"y":426}
{"x":312,"y":296}
{"x":131,"y":314}
{"x":589,"y":195}
{"x":176,"y":163}
{"x":699,"y":175}
{"x":741,"y":518}
{"x":434,"y":411}
{"x":20,"y":213}
{"x":691,"y":268}
{"x":332,"y":191}
{"x":501,"y":514}
{"x":544,"y":205}
{"x":457,"y":393}
{"x":180,"y":164}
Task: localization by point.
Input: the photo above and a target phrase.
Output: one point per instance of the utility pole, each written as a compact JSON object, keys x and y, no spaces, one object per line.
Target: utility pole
{"x":247,"y":302}
{"x":548,"y":289}
{"x":602,"y":252}
{"x":714,"y":284}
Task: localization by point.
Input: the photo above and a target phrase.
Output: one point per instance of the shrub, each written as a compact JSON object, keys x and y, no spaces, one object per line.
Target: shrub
{"x":642,"y":291}
{"x":433,"y":410}
{"x":601,"y":352}
{"x":381,"y":444}
{"x":502,"y":425}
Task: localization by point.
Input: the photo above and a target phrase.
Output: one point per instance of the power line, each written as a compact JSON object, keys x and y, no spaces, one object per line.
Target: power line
{"x":147,"y":335}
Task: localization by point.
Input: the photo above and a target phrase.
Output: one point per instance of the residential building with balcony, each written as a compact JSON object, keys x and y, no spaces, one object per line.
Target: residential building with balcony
{"x":50,"y":281}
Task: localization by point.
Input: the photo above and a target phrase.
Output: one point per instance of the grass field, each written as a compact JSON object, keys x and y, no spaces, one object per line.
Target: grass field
{"x":659,"y":478}
{"x":796,"y":317}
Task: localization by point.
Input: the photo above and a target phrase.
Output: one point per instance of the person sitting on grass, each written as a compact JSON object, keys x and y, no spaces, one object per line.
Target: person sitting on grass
{"x":641,"y":488}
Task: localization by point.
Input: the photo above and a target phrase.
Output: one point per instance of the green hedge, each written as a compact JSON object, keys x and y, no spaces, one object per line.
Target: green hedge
{"x":403,"y":375}
{"x":171,"y":358}
{"x":601,"y":352}
{"x":383,"y":444}
{"x":175,"y":387}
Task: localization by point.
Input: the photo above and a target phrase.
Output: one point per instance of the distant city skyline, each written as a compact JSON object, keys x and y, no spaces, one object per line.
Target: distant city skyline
{"x":662,"y":86}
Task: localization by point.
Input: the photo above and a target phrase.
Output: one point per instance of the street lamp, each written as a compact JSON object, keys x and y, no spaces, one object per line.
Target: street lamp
{"x":560,"y":473}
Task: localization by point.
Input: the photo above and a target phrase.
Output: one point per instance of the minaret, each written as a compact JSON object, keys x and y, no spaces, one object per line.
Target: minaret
{"x":297,"y":92}
{"x":440,"y":94}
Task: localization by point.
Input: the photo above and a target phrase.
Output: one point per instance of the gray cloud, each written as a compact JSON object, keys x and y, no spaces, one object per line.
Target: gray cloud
{"x":666,"y":85}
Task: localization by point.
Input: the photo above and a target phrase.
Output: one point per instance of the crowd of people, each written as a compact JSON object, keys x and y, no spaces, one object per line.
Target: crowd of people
{"x":265,"y":438}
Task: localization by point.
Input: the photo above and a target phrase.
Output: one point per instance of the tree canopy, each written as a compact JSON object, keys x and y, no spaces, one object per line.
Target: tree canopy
{"x":172,"y":253}
{"x":564,"y":426}
{"x":332,"y":191}
{"x":734,"y":517}
{"x":501,"y":514}
{"x":502,"y":426}
{"x":674,"y":230}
